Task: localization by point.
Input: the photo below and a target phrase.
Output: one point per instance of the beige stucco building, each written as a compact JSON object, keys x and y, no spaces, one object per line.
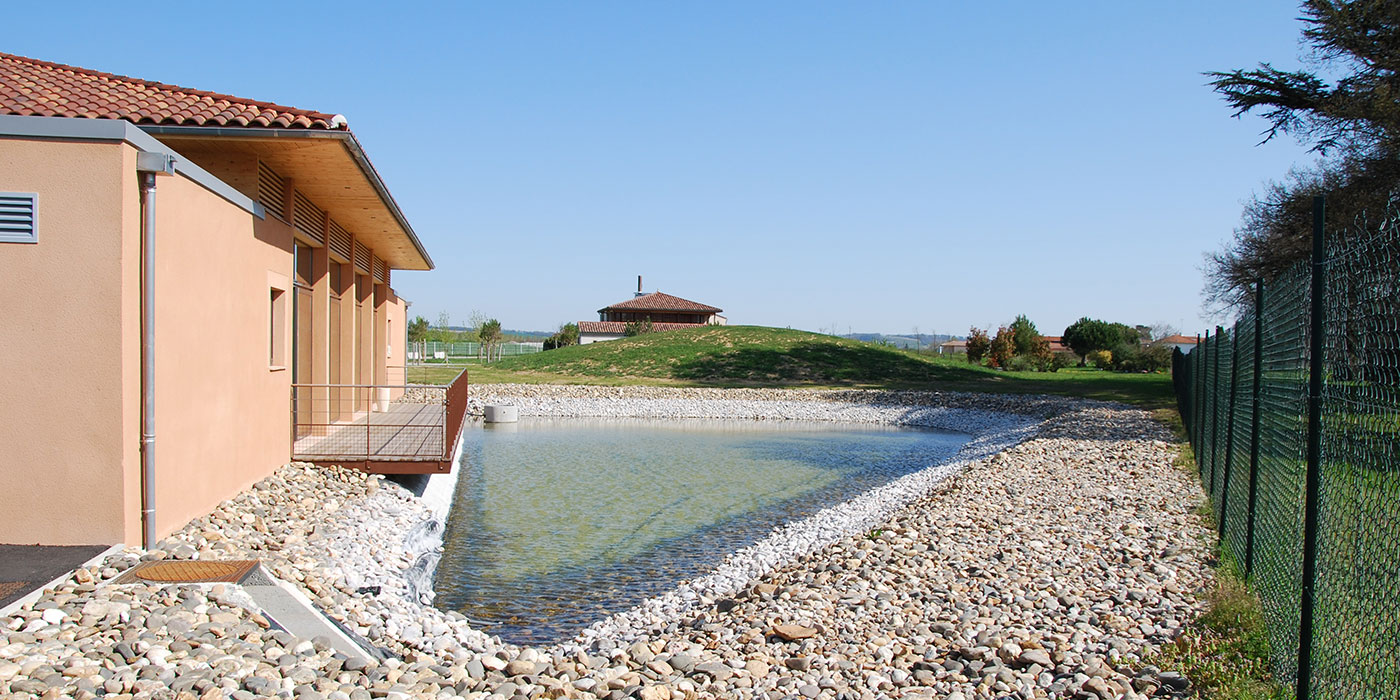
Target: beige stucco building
{"x":174,"y":261}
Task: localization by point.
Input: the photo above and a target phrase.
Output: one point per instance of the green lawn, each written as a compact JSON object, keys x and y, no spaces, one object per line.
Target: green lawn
{"x":752,"y":356}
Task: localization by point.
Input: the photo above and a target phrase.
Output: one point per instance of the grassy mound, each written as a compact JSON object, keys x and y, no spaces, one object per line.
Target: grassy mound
{"x":776,"y":357}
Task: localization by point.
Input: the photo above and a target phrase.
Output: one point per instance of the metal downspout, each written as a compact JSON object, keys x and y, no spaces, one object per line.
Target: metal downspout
{"x":148,"y":359}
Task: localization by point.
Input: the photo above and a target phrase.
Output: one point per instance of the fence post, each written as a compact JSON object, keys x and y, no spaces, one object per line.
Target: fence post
{"x":1230,"y":429}
{"x":1254,"y":427}
{"x":1314,"y":477}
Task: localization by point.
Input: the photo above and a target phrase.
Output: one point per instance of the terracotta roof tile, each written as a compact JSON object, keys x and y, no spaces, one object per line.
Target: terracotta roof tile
{"x":656,"y":301}
{"x":618,"y":327}
{"x":1177,"y":340}
{"x":30,"y":87}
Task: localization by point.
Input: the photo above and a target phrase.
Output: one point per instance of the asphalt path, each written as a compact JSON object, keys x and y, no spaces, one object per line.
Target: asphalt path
{"x":26,"y":567}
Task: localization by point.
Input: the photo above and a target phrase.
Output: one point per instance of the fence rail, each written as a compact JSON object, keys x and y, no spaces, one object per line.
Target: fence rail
{"x":429,"y":351}
{"x":1294,"y":416}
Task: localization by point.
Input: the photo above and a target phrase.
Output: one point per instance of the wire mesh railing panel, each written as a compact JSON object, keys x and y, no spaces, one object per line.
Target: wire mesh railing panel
{"x":1222,"y":358}
{"x":1357,"y":614}
{"x":1234,"y":513}
{"x":1205,"y":452}
{"x":1282,"y":477}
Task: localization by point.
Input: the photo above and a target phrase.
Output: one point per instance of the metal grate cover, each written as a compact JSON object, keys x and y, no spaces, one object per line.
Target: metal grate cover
{"x":189,"y":572}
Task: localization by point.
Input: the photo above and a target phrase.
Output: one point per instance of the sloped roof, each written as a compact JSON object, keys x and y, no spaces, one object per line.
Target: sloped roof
{"x":656,"y":301}
{"x":619,"y":327}
{"x":1177,"y":340}
{"x":30,"y":87}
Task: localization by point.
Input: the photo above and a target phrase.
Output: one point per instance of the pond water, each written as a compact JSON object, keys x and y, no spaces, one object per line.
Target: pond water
{"x":557,"y":523}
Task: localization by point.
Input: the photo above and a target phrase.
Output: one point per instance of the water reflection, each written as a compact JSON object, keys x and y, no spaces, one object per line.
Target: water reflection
{"x":559,"y":522}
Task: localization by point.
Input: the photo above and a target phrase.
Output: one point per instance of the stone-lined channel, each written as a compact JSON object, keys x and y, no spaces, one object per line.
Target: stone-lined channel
{"x":558,"y":522}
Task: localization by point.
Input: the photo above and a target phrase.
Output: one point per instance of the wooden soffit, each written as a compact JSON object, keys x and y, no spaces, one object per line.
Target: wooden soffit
{"x":327,"y":167}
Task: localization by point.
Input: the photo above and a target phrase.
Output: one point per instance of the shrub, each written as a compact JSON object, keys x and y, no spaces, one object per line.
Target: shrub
{"x":1059,"y":361}
{"x":566,"y":335}
{"x":1130,"y":358}
{"x":977,"y":344}
{"x":638,"y":327}
{"x":1103,"y":359}
{"x":1002,"y":349}
{"x":1023,"y":363}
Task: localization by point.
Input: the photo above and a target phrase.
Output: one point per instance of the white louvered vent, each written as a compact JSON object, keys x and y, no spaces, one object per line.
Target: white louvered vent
{"x":19,"y":217}
{"x":308,"y":219}
{"x":272,"y":191}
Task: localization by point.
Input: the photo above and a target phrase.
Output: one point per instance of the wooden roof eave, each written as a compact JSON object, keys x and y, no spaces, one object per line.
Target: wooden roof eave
{"x":331,"y":169}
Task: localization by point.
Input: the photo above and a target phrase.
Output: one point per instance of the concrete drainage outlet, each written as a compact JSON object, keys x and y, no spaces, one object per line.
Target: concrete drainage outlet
{"x":502,"y":413}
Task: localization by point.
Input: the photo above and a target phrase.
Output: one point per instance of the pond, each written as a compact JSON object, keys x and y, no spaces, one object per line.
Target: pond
{"x":557,"y":523}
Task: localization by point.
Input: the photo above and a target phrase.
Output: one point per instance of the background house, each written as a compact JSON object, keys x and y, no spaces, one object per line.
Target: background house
{"x":195,"y":251}
{"x":1183,"y":343}
{"x":665,"y":312}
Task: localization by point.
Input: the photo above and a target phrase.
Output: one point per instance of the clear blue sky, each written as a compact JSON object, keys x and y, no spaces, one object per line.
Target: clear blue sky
{"x":871,"y":166}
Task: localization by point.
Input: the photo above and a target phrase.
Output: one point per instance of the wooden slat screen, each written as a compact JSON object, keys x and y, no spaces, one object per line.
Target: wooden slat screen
{"x":361,"y":259}
{"x":309,"y":220}
{"x":379,"y":267}
{"x":340,"y":244}
{"x":272,"y":191}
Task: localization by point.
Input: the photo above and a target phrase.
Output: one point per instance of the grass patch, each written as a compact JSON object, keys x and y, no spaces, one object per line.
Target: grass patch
{"x":752,"y":356}
{"x":1224,"y":652}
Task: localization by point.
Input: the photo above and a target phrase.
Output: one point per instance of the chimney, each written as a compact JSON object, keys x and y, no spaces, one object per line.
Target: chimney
{"x":639,"y":285}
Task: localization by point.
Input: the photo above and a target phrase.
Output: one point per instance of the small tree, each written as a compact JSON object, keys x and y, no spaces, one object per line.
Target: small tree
{"x":490,"y":334}
{"x":418,"y":330}
{"x":1002,"y":349}
{"x":977,"y":344}
{"x":566,"y":335}
{"x":1024,"y":335}
{"x":1087,"y":335}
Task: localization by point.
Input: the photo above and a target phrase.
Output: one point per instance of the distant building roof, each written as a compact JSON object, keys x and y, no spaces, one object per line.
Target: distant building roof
{"x":953,"y":343}
{"x":30,"y":87}
{"x":619,"y":327}
{"x":656,"y":301}
{"x":1177,"y":340}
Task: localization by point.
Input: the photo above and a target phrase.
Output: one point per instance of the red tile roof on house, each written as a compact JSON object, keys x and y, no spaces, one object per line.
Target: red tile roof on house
{"x":30,"y":87}
{"x":618,"y":327}
{"x":1177,"y":340}
{"x":656,"y":301}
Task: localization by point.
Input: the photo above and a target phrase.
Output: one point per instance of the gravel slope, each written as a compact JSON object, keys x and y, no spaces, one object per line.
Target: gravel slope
{"x":1045,"y":570}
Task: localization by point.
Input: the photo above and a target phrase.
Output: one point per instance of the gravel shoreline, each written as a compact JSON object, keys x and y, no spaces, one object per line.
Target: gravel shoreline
{"x":1064,"y":552}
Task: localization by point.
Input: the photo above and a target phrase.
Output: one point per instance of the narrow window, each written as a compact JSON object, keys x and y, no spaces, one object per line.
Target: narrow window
{"x":277,"y":341}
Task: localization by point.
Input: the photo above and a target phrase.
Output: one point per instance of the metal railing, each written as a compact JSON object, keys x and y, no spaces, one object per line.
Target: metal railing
{"x":1294,"y":417}
{"x":365,"y":424}
{"x":433,"y":351}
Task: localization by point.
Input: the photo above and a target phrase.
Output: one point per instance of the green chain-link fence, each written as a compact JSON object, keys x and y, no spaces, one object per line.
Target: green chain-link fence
{"x":1294,"y":416}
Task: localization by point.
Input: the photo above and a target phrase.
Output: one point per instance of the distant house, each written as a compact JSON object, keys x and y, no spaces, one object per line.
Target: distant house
{"x":666,"y":313}
{"x":1183,"y":343}
{"x":1057,"y":344}
{"x":953,"y":347}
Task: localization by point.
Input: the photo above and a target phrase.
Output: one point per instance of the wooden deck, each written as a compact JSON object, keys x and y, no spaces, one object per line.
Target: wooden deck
{"x":406,"y":432}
